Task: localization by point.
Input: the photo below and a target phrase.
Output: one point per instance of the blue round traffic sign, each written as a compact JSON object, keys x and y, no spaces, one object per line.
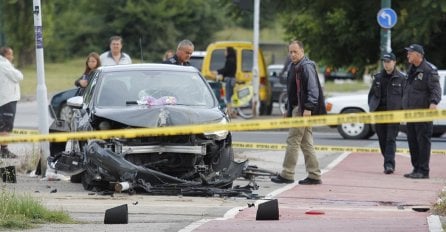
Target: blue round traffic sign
{"x":386,"y":18}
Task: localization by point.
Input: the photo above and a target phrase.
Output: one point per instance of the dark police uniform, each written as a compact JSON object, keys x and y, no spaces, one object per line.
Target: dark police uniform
{"x":386,"y":93}
{"x":174,"y":60}
{"x":420,"y":90}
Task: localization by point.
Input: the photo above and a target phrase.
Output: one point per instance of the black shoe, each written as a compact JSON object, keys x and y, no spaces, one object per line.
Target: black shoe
{"x":408,"y":175}
{"x":280,"y":180}
{"x":308,"y":181}
{"x":416,"y":175}
{"x":388,"y":170}
{"x":7,"y":154}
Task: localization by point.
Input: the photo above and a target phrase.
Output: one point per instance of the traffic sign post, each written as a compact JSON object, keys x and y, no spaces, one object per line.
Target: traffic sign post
{"x":386,"y":18}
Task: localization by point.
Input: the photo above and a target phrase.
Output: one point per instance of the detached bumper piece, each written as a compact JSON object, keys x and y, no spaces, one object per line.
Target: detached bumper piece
{"x":126,"y":176}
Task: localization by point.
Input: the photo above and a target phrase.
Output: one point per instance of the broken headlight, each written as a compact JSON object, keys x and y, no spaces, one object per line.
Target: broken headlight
{"x":217,"y":135}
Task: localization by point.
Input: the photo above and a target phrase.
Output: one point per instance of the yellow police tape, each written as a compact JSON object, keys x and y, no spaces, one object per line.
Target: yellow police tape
{"x":260,"y":124}
{"x":280,"y":147}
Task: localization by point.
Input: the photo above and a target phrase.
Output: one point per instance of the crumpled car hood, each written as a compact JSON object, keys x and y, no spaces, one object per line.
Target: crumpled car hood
{"x":156,"y":116}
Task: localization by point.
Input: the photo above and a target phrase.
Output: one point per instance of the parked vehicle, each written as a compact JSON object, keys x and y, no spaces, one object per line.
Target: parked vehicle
{"x":146,"y":96}
{"x":215,"y":59}
{"x":278,"y":83}
{"x":58,"y":108}
{"x":196,"y":60}
{"x":358,"y":104}
{"x":332,"y":73}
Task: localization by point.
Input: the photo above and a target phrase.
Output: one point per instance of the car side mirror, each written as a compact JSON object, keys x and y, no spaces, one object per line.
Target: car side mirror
{"x":75,"y":102}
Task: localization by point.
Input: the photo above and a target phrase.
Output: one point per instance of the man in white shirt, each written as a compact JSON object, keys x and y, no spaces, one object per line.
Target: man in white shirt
{"x":9,"y":95}
{"x":115,"y":56}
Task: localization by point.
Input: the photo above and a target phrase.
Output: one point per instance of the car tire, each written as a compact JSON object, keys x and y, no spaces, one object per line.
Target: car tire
{"x":222,"y":160}
{"x":76,"y":178}
{"x":265,"y":108}
{"x":355,"y":130}
{"x":65,"y":113}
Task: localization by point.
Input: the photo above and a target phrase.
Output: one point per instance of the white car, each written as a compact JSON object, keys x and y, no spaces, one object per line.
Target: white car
{"x":359,"y":104}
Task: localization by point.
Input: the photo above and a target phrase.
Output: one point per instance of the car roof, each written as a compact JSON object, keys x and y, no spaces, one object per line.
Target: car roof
{"x":198,"y":54}
{"x":147,"y":66}
{"x":275,"y":66}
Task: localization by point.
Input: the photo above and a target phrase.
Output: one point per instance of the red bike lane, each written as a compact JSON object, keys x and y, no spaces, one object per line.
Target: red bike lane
{"x":355,"y":196}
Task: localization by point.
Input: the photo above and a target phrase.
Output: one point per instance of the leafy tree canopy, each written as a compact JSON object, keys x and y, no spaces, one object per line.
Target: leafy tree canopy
{"x":346,"y":32}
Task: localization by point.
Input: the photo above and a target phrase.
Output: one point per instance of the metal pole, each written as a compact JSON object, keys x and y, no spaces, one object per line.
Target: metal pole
{"x":42,"y":101}
{"x":385,"y":33}
{"x":255,"y":67}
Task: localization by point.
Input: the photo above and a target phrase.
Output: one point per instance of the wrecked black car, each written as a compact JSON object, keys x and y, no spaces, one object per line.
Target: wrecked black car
{"x":146,"y":96}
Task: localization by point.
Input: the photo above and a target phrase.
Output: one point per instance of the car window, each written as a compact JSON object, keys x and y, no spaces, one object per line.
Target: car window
{"x":127,"y":88}
{"x":196,"y":61}
{"x":217,"y":59}
{"x":247,"y":56}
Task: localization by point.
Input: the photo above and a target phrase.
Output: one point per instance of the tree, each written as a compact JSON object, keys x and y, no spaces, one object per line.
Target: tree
{"x":346,"y":32}
{"x":155,"y":24}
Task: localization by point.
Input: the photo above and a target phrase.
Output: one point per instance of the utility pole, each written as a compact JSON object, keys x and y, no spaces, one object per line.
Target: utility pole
{"x":42,"y":101}
{"x":255,"y":67}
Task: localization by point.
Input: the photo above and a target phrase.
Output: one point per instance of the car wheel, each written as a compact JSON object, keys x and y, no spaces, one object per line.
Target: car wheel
{"x":222,"y":159}
{"x":355,"y":130}
{"x":265,"y":108}
{"x":76,"y":178}
{"x":90,"y":184}
{"x":65,"y":113}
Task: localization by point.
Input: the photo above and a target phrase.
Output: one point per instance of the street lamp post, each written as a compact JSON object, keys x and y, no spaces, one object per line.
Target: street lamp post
{"x":255,"y":67}
{"x":42,"y":100}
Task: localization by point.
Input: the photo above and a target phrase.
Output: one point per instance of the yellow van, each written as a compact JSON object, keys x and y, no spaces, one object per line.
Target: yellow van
{"x":215,"y":59}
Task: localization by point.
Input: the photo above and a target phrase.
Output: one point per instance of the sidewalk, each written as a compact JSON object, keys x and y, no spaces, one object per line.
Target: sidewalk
{"x":355,"y":196}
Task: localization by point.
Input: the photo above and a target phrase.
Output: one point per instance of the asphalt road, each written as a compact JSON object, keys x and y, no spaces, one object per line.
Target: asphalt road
{"x":164,"y":213}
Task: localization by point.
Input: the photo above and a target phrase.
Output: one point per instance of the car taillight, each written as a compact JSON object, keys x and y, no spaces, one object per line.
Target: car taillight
{"x":328,"y":106}
{"x":262,"y":80}
{"x":222,"y":93}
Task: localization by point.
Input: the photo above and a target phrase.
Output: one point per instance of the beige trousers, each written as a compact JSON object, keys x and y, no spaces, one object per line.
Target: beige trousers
{"x":301,"y":137}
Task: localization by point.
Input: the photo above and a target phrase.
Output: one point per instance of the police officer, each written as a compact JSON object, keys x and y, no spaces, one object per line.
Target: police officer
{"x":421,"y":91}
{"x":182,"y":56}
{"x":386,"y":93}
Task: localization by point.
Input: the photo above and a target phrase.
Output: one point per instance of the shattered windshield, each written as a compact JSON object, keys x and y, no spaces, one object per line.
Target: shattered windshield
{"x":154,"y":88}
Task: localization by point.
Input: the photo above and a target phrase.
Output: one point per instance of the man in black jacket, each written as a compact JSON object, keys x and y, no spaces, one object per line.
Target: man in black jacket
{"x":305,"y":98}
{"x":421,"y":91}
{"x":182,"y":56}
{"x":386,"y":93}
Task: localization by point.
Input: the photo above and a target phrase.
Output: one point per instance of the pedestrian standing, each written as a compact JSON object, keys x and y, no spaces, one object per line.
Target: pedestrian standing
{"x":115,"y":56}
{"x":305,"y":98}
{"x":421,"y":91}
{"x":168,"y":54}
{"x":227,"y":74}
{"x":386,"y":93}
{"x":182,"y":56}
{"x":92,"y":63}
{"x":10,"y":78}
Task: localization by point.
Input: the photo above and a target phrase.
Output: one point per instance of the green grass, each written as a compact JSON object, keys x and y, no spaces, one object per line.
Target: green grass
{"x":440,"y":206}
{"x":58,"y":77}
{"x":23,"y":212}
{"x":267,"y":35}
